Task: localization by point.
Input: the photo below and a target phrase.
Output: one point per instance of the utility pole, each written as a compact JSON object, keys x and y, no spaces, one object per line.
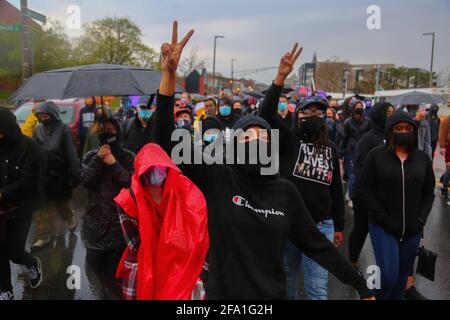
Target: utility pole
{"x":377,"y":85}
{"x":433,"y":34}
{"x":214,"y":59}
{"x":26,"y":50}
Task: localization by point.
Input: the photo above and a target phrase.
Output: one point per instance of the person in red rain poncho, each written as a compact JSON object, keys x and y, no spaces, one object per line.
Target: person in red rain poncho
{"x":164,"y":220}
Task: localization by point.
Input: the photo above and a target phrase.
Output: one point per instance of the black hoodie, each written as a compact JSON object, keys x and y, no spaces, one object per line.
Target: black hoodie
{"x":250,"y":218}
{"x":374,"y":138}
{"x":353,"y":130}
{"x":20,"y":166}
{"x":399,"y":195}
{"x":62,"y":167}
{"x":314,"y":171}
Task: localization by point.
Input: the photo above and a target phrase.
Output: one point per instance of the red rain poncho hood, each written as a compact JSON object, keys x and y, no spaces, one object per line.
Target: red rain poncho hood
{"x":174,"y":239}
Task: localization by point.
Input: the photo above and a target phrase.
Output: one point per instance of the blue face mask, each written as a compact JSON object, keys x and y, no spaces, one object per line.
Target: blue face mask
{"x":155,"y":176}
{"x":282,"y":106}
{"x":184,"y":124}
{"x":225,"y":111}
{"x":210,"y":138}
{"x":127,"y":104}
{"x":145,"y":114}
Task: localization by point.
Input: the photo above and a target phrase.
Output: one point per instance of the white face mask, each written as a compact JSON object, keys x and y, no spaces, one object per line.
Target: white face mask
{"x":155,"y":177}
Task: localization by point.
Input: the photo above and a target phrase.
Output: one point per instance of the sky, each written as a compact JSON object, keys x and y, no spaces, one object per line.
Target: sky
{"x":258,"y":32}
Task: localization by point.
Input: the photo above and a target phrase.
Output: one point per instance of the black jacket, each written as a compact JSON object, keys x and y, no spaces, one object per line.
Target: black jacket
{"x":289,"y":120}
{"x":135,"y":135}
{"x":62,"y":166}
{"x":102,"y":226}
{"x":435,"y":123}
{"x":315,"y":173}
{"x":374,"y":138}
{"x":353,"y":132}
{"x":399,"y":196}
{"x":20,"y":167}
{"x":250,"y":220}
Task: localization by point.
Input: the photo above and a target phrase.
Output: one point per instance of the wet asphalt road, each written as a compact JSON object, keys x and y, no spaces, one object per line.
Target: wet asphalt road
{"x":70,"y":250}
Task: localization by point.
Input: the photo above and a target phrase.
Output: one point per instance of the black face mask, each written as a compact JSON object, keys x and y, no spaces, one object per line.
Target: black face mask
{"x":100,"y":118}
{"x":46,"y":122}
{"x":3,"y":142}
{"x":109,"y":139}
{"x":253,"y":153}
{"x":238,"y":112}
{"x":359,"y":112}
{"x":404,"y":140}
{"x":311,"y":126}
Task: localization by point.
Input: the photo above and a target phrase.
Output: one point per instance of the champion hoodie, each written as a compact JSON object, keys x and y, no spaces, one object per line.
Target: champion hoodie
{"x":250,"y":218}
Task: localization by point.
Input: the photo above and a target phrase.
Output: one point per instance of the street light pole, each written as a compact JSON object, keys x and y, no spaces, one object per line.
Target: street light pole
{"x":26,"y":50}
{"x":433,"y":34}
{"x":232,"y":73}
{"x":214,"y":59}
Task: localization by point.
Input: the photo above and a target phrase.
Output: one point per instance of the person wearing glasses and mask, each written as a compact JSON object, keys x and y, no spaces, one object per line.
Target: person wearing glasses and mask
{"x":250,"y":215}
{"x":309,"y":160}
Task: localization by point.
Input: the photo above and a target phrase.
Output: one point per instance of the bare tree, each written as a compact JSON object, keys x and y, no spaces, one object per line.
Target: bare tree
{"x":193,"y":61}
{"x":443,"y":77}
{"x":329,"y":74}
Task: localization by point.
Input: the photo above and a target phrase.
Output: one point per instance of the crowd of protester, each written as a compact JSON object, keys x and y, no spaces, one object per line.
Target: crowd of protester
{"x":159,"y":227}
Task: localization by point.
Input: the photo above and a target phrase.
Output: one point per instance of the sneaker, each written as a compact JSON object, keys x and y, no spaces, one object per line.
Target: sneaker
{"x":40,"y":244}
{"x":6,"y":296}
{"x":413,"y":294}
{"x":35,"y":274}
{"x":73,"y":223}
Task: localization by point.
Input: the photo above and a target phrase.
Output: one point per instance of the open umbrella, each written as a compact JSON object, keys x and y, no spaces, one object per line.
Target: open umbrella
{"x":90,"y":80}
{"x":416,"y":98}
{"x":285,"y":90}
{"x":254,"y":94}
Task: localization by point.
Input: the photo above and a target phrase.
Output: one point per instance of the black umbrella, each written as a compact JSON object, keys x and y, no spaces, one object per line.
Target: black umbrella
{"x":254,"y":94}
{"x":285,"y":90}
{"x":416,"y":98}
{"x":90,"y":80}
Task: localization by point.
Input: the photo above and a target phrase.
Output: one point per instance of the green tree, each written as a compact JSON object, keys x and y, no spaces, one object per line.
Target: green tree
{"x":52,"y":48}
{"x":114,"y":41}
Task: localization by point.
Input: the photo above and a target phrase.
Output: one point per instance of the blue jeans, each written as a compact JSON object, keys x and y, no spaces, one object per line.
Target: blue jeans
{"x":348,"y":167}
{"x":395,"y":260}
{"x":315,"y":277}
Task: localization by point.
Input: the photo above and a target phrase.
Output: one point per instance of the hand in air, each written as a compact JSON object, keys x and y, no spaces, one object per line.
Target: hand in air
{"x":171,"y":53}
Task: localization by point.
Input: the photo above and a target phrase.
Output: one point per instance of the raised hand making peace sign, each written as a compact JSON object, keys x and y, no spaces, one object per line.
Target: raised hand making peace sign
{"x":171,"y":53}
{"x":287,"y":64}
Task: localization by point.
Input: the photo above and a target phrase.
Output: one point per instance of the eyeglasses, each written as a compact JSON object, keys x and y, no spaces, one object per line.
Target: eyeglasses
{"x":310,"y":113}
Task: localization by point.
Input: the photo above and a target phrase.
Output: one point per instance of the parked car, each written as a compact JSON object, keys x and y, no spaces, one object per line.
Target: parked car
{"x":70,"y":114}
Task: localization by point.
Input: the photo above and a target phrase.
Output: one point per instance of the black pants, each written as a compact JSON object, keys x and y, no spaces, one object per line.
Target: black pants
{"x":104,"y":264}
{"x":13,"y":249}
{"x":360,"y":230}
